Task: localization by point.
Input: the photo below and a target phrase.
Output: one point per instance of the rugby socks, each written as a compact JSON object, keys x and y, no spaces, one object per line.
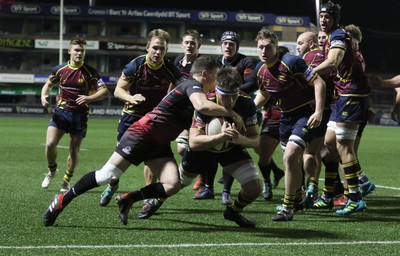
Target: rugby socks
{"x":209,"y":177}
{"x":362,"y":178}
{"x":299,"y":196}
{"x":331,"y":172}
{"x":228,"y":181}
{"x":68,"y":175}
{"x":275,"y":169}
{"x":239,"y":203}
{"x":351,"y":171}
{"x":288,"y":201}
{"x":312,"y":181}
{"x":113,"y":183}
{"x":154,"y":190}
{"x":266,"y":171}
{"x":52,"y":168}
{"x":86,"y":183}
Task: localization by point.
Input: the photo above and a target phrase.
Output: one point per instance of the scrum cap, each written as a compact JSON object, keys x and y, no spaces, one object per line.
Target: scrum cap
{"x":332,"y":9}
{"x":230,"y":35}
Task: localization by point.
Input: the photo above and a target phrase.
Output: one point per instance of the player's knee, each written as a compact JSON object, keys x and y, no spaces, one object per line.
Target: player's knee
{"x":107,"y":173}
{"x":252,"y":189}
{"x":186,"y":178}
{"x":172,"y":187}
{"x":246,"y":173}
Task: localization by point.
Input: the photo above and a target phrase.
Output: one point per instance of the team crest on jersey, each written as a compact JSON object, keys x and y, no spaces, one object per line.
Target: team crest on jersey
{"x":281,"y":78}
{"x":127,"y":150}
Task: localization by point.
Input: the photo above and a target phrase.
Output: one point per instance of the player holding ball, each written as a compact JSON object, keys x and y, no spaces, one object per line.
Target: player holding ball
{"x":208,"y":148}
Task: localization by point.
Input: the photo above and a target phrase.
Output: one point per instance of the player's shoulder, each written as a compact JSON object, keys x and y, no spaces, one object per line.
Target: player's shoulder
{"x":190,"y":84}
{"x":245,"y":104}
{"x":134,"y":65}
{"x":138,"y":61}
{"x":178,"y":59}
{"x":88,"y":67}
{"x":60,"y":67}
{"x":338,"y":34}
{"x":290,"y":59}
{"x":172,"y":67}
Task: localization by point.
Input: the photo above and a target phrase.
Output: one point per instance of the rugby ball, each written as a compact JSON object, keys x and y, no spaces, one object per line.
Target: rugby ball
{"x":214,"y":127}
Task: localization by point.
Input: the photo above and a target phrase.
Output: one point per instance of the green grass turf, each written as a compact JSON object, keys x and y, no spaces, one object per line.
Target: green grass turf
{"x":182,"y":226}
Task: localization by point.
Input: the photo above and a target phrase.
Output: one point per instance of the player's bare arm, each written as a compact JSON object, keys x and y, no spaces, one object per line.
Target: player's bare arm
{"x":320,"y":94}
{"x":261,"y":98}
{"x":206,"y":107}
{"x":335,"y":57}
{"x":122,"y":92}
{"x":200,"y":141}
{"x":101,"y":94}
{"x":248,"y":140}
{"x":45,"y":93}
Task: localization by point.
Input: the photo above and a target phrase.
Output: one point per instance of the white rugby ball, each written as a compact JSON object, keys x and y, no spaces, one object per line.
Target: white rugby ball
{"x":214,"y":127}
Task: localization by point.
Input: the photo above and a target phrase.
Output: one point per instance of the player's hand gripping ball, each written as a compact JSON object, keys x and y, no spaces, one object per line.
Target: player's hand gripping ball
{"x":215,"y":127}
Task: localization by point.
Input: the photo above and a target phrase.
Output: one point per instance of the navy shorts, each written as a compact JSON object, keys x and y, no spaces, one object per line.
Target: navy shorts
{"x":270,"y":129}
{"x":295,"y":123}
{"x":125,"y":122}
{"x":349,"y":109}
{"x":74,"y":123}
{"x":321,"y":129}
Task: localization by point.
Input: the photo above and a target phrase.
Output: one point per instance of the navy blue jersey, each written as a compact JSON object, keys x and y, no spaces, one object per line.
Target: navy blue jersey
{"x":244,"y":106}
{"x":246,"y":68}
{"x":288,"y":81}
{"x":150,"y":81}
{"x":74,"y":81}
{"x":185,"y":70}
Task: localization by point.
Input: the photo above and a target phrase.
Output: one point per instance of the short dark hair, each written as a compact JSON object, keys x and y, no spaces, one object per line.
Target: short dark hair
{"x":203,"y":63}
{"x":194,"y":33}
{"x":77,"y":41}
{"x":229,"y":79}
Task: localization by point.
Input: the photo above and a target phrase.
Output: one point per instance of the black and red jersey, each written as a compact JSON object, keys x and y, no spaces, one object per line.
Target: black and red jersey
{"x":150,"y":81}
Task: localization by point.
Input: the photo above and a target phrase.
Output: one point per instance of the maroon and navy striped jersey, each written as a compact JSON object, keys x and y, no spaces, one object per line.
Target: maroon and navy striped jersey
{"x":287,"y":80}
{"x":349,"y":78}
{"x":74,"y":81}
{"x":313,"y":58}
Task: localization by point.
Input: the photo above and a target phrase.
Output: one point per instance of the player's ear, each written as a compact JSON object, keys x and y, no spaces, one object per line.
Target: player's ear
{"x":203,"y":73}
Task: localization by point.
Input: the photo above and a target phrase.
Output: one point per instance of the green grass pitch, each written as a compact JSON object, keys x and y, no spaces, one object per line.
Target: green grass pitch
{"x":182,"y":226}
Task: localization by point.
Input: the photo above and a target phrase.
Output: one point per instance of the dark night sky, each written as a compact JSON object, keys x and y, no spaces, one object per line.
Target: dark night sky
{"x":378,"y":20}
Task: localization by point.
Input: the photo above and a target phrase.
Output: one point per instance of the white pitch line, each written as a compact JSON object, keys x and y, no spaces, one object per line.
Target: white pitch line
{"x":194,"y":245}
{"x":378,"y":186}
{"x":386,"y":187}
